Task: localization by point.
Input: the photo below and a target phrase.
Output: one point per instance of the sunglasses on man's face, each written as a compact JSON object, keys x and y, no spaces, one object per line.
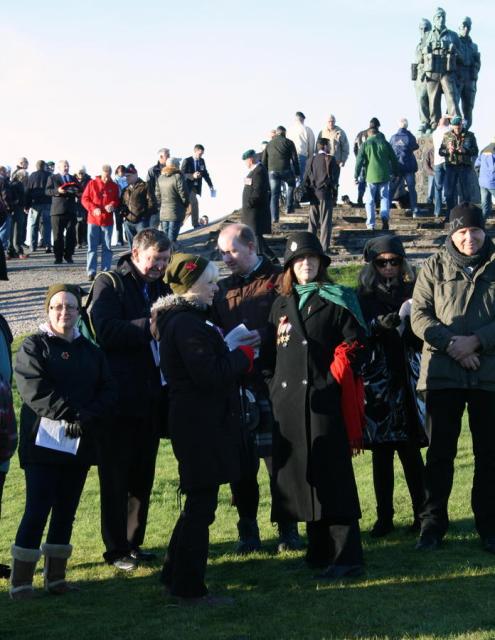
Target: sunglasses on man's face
{"x":381,"y":263}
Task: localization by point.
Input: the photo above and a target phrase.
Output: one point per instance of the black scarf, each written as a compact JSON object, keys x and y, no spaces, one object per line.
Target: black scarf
{"x":468,"y":262}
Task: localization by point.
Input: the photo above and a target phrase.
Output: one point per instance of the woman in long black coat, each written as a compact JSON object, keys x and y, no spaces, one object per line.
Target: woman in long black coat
{"x":393,"y":415}
{"x":313,"y":475}
{"x":67,"y":391}
{"x":202,"y":375}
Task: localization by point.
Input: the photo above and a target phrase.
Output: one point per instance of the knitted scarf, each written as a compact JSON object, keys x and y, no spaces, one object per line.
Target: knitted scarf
{"x":468,"y":262}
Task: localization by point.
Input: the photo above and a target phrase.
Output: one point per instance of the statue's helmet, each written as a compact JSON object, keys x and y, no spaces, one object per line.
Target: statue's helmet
{"x":424,"y":25}
{"x":467,"y":22}
{"x":439,"y":12}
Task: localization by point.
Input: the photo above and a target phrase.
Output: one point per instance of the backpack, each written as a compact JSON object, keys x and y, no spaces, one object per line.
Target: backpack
{"x":84,"y":324}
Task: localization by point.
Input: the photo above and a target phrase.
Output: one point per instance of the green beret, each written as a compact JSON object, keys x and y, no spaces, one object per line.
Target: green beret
{"x":183,"y":270}
{"x":250,"y":153}
{"x":57,"y":288}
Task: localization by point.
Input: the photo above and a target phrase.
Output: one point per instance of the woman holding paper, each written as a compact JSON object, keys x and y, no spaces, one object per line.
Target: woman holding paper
{"x":66,"y":389}
{"x":393,"y":419}
{"x":203,"y":376}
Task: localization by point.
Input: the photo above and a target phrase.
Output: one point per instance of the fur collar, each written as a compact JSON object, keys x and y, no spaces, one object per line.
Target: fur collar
{"x":172,"y":301}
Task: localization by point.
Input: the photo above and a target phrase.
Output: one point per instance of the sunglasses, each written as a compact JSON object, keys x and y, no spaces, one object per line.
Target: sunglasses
{"x":382,"y":262}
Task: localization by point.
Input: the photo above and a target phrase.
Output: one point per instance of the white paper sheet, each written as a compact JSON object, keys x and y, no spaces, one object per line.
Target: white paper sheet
{"x":51,"y":435}
{"x":236,"y":338}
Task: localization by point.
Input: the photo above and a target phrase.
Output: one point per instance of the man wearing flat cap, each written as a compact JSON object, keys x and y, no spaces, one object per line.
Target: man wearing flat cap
{"x":256,"y":202}
{"x":453,"y":312}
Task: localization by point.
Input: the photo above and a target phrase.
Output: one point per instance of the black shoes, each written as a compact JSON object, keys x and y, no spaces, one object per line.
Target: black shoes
{"x":4,"y":571}
{"x":143,"y":556}
{"x":382,"y":528}
{"x":91,"y":276}
{"x":249,"y":536}
{"x":385,"y":224}
{"x":340,"y":571}
{"x":58,"y":261}
{"x":69,"y":260}
{"x":126,"y":564}
{"x":428,"y":542}
{"x":288,"y":538}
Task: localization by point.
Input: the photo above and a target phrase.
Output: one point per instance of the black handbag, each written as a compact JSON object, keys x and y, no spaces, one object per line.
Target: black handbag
{"x":250,"y":413}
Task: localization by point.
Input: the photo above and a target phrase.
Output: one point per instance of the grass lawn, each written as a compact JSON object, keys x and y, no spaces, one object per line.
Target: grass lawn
{"x":404,"y":594}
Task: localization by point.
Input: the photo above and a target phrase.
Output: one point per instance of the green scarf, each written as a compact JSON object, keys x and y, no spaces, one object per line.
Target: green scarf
{"x":342,"y":296}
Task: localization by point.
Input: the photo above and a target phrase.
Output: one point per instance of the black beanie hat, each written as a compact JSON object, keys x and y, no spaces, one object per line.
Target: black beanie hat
{"x":303,"y":243}
{"x":465,"y":215}
{"x":383,"y":244}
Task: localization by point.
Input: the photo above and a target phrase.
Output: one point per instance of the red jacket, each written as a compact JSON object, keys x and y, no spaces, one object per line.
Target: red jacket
{"x":97,"y":195}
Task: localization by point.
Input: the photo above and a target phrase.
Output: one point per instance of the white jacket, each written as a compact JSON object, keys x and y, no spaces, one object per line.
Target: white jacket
{"x":303,"y":137}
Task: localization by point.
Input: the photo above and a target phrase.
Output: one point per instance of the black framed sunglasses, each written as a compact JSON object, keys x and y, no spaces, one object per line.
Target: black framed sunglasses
{"x":393,"y":262}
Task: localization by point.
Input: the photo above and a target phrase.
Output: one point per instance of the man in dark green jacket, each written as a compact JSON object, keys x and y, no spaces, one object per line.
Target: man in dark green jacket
{"x":379,"y":162}
{"x":453,"y":312}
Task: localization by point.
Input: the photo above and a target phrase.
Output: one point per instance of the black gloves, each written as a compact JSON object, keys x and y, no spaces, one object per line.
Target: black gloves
{"x":73,"y":430}
{"x":387,"y":321}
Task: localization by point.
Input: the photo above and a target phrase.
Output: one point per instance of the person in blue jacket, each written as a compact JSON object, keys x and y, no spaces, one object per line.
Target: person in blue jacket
{"x":404,"y":145}
{"x":485,"y":163}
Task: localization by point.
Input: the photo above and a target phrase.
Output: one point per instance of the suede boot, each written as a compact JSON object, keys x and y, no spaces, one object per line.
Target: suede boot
{"x":56,"y":556}
{"x":24,"y":563}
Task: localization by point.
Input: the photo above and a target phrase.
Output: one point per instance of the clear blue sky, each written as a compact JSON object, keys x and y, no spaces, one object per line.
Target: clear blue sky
{"x":95,"y":82}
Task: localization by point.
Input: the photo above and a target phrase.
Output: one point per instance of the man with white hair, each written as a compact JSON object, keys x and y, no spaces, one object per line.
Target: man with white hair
{"x":63,"y":189}
{"x":151,"y":180}
{"x":100,"y":199}
{"x":338,"y":147}
{"x":404,"y":145}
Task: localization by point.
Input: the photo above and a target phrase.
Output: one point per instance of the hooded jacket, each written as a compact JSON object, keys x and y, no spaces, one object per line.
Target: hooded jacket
{"x":485,"y":162}
{"x":378,"y":159}
{"x":404,"y":145}
{"x":202,"y":376}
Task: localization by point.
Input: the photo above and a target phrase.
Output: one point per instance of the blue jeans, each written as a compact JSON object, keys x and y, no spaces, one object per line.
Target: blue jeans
{"x":171,"y":228}
{"x":439,"y":186}
{"x":5,"y":232}
{"x":54,"y":488}
{"x":486,"y":200}
{"x":99,"y":235}
{"x":133,"y":228}
{"x":276,"y":178}
{"x":456,"y":181}
{"x":372,"y":188}
{"x":154,"y":221}
{"x":40,"y":213}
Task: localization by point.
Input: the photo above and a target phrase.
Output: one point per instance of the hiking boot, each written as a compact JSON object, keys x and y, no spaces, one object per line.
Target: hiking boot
{"x":24,"y":563}
{"x":288,"y":537}
{"x":249,"y":536}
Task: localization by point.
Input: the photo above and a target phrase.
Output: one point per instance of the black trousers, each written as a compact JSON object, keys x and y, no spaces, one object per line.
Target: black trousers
{"x":383,"y":476}
{"x":187,"y":554}
{"x":334,"y":543}
{"x":3,"y":475}
{"x":64,"y":235}
{"x":246,"y":492}
{"x":81,"y":231}
{"x":444,"y":410}
{"x":126,"y":466}
{"x":52,"y":490}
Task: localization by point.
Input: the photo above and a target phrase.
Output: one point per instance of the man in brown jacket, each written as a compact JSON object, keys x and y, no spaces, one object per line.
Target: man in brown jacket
{"x":246,"y":296}
{"x":453,"y":312}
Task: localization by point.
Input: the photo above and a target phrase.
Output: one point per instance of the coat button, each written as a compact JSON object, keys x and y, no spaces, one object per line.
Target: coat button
{"x":284,"y":385}
{"x":304,"y":382}
{"x":305,"y":342}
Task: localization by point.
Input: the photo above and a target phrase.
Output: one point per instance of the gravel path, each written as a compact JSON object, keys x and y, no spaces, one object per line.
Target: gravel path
{"x":22,"y":297}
